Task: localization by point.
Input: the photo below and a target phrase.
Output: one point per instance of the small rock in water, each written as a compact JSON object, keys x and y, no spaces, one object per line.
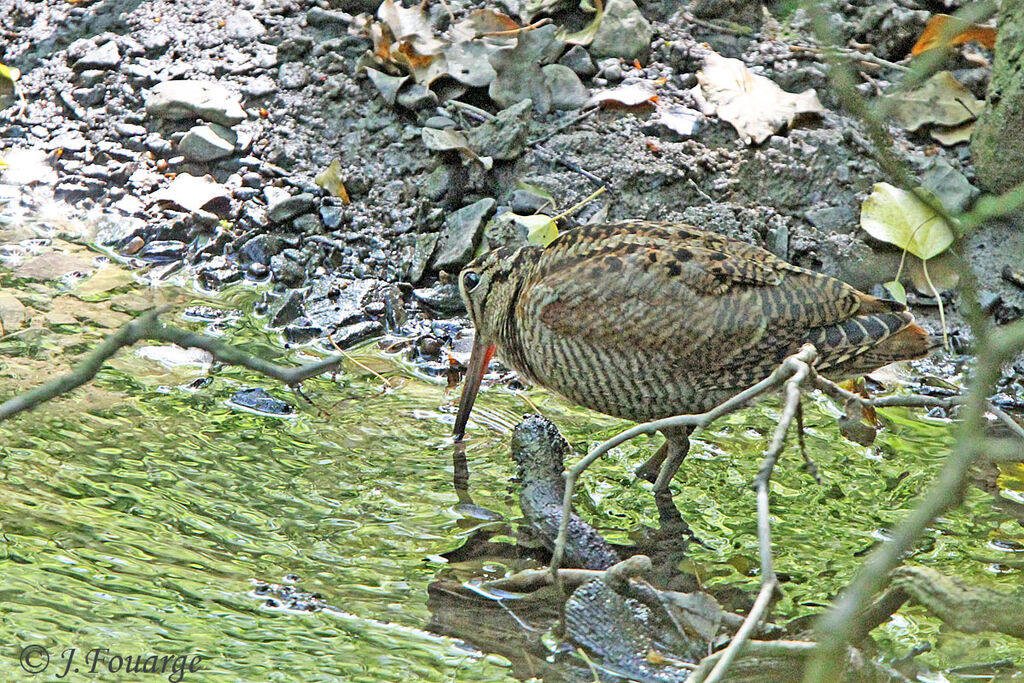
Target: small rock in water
{"x":259,"y":400}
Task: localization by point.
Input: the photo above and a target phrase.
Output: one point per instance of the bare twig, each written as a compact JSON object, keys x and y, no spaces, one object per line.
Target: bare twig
{"x":785,"y":370}
{"x":148,"y":326}
{"x":769,"y":583}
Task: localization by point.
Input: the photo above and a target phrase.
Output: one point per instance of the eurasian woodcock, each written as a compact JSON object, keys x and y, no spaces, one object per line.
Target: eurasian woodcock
{"x":645,"y":320}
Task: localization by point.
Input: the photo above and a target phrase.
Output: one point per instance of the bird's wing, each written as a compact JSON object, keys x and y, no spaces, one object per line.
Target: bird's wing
{"x":677,"y":294}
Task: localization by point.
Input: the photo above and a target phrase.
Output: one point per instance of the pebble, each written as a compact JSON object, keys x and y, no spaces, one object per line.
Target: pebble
{"x":195,"y":99}
{"x":242,"y":26}
{"x":104,"y":57}
{"x":208,"y":143}
{"x":289,"y":207}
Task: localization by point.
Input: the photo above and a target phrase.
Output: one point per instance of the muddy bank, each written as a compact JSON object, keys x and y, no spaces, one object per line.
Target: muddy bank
{"x":192,"y":134}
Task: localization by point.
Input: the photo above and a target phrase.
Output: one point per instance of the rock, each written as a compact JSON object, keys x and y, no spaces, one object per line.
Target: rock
{"x":578,"y":59}
{"x":290,"y":207}
{"x":422,"y":249}
{"x":610,"y":69}
{"x":332,"y":216}
{"x":948,"y":184}
{"x":350,"y":335}
{"x":218,"y":272}
{"x":322,"y":17}
{"x":443,"y":299}
{"x":460,"y":235}
{"x":89,"y":97}
{"x":287,"y":271}
{"x":302,"y":332}
{"x":242,"y":26}
{"x":386,"y":84}
{"x":162,"y":251}
{"x":335,"y":302}
{"x":260,"y":87}
{"x":289,"y":309}
{"x":129,"y":130}
{"x":195,"y":99}
{"x":104,"y":57}
{"x":208,"y":143}
{"x":439,"y":123}
{"x":259,"y":400}
{"x":624,"y":33}
{"x":567,"y":92}
{"x":505,"y":137}
{"x":519,"y":69}
{"x":526,"y":203}
{"x":293,"y":76}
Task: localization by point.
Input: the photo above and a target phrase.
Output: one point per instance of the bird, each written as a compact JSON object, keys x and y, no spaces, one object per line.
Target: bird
{"x":643,"y":320}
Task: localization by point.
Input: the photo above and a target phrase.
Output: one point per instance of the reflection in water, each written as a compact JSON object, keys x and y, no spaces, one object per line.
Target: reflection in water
{"x":137,"y":513}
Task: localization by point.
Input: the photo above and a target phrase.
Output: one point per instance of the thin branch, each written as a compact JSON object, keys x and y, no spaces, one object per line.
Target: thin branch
{"x":785,"y":370}
{"x":769,"y":582}
{"x":147,"y":326}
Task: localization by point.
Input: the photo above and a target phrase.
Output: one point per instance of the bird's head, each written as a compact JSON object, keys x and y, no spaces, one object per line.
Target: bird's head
{"x":488,"y":286}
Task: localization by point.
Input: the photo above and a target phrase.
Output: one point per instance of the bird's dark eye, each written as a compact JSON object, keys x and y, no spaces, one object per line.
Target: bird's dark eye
{"x":470,"y":280}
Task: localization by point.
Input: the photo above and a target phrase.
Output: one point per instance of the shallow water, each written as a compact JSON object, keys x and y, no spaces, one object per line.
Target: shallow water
{"x":139,"y":512}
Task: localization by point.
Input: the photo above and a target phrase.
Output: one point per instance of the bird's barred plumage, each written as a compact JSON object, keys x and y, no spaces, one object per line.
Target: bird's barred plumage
{"x":644,"y":320}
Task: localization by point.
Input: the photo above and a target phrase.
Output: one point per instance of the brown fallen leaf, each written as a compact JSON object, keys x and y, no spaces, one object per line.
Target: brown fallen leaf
{"x":754,"y":105}
{"x":452,"y":141}
{"x":330,"y":180}
{"x":958,"y":32}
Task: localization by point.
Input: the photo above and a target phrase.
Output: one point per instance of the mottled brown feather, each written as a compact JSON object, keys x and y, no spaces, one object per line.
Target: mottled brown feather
{"x":644,"y":320}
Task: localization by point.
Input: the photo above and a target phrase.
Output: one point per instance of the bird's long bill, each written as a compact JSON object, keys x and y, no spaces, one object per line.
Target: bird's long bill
{"x":478,"y":361}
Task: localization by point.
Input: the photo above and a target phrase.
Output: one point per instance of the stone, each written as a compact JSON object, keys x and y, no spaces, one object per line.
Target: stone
{"x":242,"y":26}
{"x":189,"y":99}
{"x":443,"y":299}
{"x":89,"y":97}
{"x":208,"y":143}
{"x":350,"y":335}
{"x":163,"y":250}
{"x":293,"y":76}
{"x":567,"y":91}
{"x":335,"y":301}
{"x":526,"y":203}
{"x":288,"y":310}
{"x":260,"y":249}
{"x":504,"y":138}
{"x":437,"y":183}
{"x":260,"y":87}
{"x":519,"y":69}
{"x":290,"y":207}
{"x":623,"y":33}
{"x":948,"y":184}
{"x":218,"y":272}
{"x":460,"y":235}
{"x":423,"y":247}
{"x":259,"y":400}
{"x":104,"y":57}
{"x":578,"y":59}
{"x":332,"y":216}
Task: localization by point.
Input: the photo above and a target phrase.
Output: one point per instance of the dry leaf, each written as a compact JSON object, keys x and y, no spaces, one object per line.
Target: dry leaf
{"x":585,"y":36}
{"x":330,"y":180}
{"x":451,"y":140}
{"x":958,"y":32}
{"x":754,"y":105}
{"x":483,"y":23}
{"x":941,"y":100}
{"x":942,"y":270}
{"x":952,"y":135}
{"x":629,"y":94}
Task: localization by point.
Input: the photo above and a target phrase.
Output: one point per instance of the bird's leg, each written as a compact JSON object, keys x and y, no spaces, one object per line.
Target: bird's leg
{"x":677,"y":445}
{"x":675,"y":438}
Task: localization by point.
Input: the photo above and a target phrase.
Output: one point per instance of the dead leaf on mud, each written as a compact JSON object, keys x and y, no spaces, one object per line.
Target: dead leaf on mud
{"x":941,"y":100}
{"x":330,"y":180}
{"x":451,"y":140}
{"x":952,"y":135}
{"x":958,"y":32}
{"x":754,"y":105}
{"x":632,"y":93}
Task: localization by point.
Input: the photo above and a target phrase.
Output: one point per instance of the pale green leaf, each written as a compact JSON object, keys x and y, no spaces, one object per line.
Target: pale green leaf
{"x":541,"y":230}
{"x":9,"y":73}
{"x":895,"y":216}
{"x":896,"y":291}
